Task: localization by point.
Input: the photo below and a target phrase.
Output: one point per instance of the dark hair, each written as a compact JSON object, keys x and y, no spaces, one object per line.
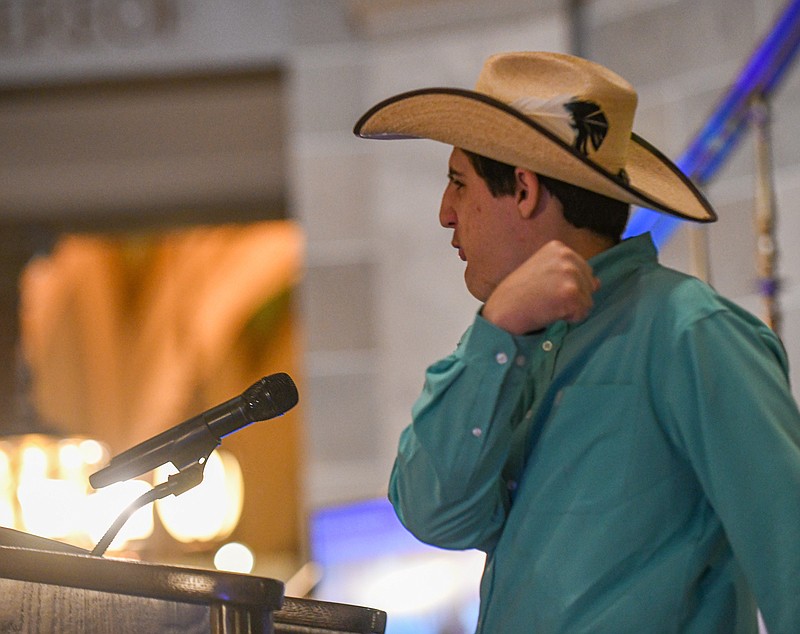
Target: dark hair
{"x":582,"y":208}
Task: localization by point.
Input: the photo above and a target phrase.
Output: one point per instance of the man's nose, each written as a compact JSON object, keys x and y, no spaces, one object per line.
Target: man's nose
{"x":447,"y":215}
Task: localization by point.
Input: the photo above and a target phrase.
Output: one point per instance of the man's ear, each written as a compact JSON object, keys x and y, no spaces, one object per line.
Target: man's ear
{"x":527,"y":191}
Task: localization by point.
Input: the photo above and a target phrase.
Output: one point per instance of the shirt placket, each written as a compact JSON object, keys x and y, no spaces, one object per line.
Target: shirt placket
{"x":541,"y":370}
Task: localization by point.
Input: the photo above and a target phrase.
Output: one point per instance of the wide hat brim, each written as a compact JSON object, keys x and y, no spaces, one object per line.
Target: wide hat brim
{"x":481,"y":124}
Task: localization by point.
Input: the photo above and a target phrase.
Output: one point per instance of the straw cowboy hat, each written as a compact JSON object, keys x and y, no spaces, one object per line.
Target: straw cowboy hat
{"x":555,"y":114}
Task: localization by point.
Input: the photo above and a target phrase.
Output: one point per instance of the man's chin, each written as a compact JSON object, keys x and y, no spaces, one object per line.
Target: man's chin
{"x":477,"y":290}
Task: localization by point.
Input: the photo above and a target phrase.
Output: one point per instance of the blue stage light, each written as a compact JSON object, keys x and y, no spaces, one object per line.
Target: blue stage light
{"x":723,"y":129}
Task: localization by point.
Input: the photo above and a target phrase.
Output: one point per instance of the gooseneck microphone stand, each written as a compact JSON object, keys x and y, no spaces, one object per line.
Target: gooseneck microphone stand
{"x":176,"y":484}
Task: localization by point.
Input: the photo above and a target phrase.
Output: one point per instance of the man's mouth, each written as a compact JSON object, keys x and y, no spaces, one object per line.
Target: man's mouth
{"x":460,"y":251}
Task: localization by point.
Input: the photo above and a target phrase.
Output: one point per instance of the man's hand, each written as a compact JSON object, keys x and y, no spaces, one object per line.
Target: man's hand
{"x":554,"y":283}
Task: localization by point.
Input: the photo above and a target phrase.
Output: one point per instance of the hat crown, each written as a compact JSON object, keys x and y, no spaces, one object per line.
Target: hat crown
{"x":585,"y":104}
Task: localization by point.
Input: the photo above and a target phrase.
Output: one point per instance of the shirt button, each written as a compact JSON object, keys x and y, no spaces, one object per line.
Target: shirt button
{"x":547,"y":346}
{"x":520,"y":360}
{"x":501,"y":358}
{"x":528,"y":414}
{"x":511,"y":485}
{"x":477,"y":432}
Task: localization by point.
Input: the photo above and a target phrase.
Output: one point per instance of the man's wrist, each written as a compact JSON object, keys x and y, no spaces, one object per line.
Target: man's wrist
{"x":506,"y":322}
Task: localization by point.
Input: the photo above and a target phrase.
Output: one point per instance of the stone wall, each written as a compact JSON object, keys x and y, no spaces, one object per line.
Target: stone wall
{"x":383,"y":293}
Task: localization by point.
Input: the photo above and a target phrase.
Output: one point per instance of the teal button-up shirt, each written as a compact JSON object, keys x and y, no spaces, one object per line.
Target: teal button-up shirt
{"x":636,"y":472}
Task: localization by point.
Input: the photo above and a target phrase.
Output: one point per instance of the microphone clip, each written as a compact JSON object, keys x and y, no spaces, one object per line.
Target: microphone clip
{"x":193,"y":448}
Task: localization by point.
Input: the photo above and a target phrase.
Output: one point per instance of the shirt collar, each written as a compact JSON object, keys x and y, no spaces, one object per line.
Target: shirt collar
{"x":617,"y":263}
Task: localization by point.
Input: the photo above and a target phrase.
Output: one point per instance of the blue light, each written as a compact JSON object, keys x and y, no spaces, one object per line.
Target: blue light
{"x":723,"y":129}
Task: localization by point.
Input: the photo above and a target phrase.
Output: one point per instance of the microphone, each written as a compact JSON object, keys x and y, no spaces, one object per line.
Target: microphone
{"x":195,"y":438}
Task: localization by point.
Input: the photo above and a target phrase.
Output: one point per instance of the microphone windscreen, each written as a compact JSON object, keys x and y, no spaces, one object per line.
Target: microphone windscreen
{"x":271,"y":396}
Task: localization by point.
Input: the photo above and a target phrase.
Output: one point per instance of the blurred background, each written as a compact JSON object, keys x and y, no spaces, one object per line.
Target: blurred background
{"x":184,"y":209}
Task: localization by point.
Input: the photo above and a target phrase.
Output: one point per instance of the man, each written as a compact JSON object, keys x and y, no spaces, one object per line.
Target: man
{"x":621,"y":441}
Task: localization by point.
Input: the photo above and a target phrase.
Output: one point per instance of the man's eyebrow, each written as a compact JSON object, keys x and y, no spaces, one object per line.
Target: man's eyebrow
{"x":453,"y":173}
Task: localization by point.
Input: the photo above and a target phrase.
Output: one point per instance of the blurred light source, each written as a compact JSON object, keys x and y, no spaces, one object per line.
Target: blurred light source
{"x":45,"y":491}
{"x":234,"y":557}
{"x":421,"y":584}
{"x":45,"y":485}
{"x":211,"y":510}
{"x":103,"y":507}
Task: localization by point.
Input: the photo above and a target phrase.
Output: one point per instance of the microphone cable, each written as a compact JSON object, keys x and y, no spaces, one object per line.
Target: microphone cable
{"x":175,"y":485}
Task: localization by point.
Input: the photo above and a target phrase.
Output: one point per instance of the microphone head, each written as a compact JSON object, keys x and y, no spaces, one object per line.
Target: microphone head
{"x":272,"y":396}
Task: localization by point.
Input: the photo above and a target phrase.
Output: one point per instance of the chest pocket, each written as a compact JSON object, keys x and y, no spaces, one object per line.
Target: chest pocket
{"x":590,"y":439}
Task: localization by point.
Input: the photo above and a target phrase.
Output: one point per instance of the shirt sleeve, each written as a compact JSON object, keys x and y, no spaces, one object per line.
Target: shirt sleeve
{"x":738,"y":424}
{"x":446,"y":483}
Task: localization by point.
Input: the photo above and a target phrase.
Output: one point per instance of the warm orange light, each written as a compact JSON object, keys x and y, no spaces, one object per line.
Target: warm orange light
{"x":45,"y":485}
{"x":209,"y":511}
{"x":45,"y":491}
{"x":103,"y":507}
{"x":234,"y":557}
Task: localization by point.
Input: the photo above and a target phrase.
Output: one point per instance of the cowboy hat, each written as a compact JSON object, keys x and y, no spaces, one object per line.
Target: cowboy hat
{"x":558,"y":115}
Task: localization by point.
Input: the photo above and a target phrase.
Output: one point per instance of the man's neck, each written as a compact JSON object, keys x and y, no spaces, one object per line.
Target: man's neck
{"x":587,"y":243}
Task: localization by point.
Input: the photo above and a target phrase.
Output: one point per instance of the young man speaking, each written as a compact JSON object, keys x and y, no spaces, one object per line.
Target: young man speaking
{"x":620,"y":440}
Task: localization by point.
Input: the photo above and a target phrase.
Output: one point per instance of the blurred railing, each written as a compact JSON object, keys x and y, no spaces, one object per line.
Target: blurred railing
{"x":745,"y":104}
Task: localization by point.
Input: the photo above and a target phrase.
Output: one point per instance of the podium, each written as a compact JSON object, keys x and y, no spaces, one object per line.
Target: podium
{"x":48,"y":586}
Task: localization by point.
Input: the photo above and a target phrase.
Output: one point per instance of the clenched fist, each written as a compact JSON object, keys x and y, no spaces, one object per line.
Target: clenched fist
{"x":554,"y":283}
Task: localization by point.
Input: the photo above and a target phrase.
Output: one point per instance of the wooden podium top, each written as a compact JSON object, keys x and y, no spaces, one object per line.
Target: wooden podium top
{"x":52,"y":587}
{"x":171,"y":583}
{"x":36,"y":560}
{"x":58,"y":577}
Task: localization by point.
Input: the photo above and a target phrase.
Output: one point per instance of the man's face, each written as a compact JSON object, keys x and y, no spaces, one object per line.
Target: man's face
{"x":488,"y":232}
